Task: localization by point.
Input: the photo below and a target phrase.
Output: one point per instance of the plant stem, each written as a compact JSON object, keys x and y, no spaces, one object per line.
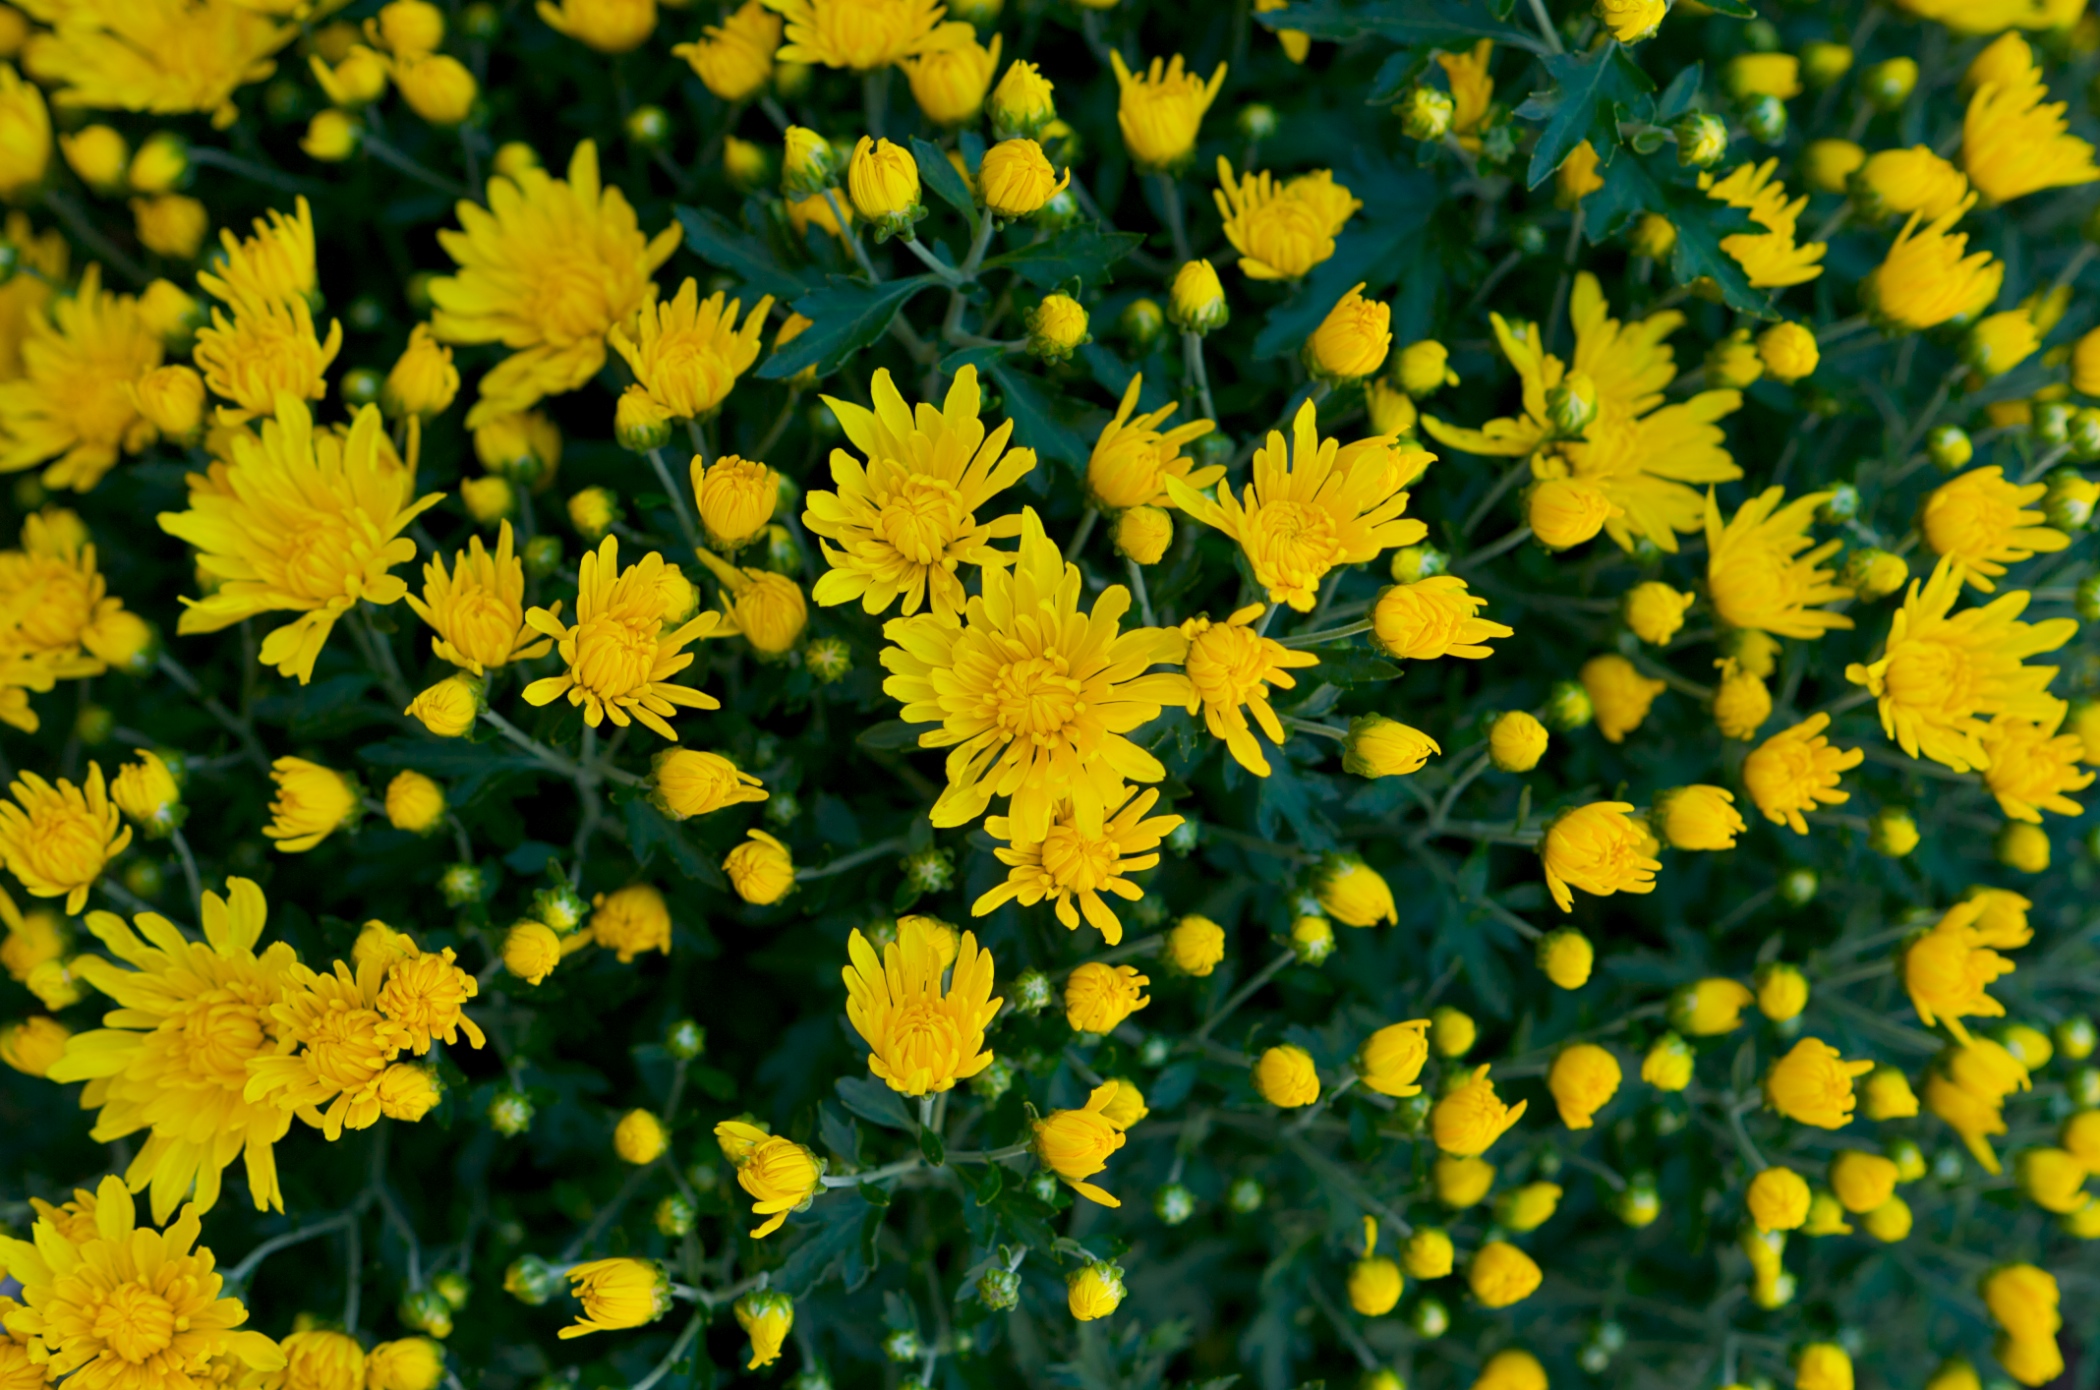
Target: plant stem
{"x":1170,"y":196}
{"x":240,"y":1272}
{"x":887,"y":1170}
{"x":1546,"y":29}
{"x":854,"y":860}
{"x":932,"y":262}
{"x":189,"y":867}
{"x":84,"y":231}
{"x":387,"y":154}
{"x":1137,"y":586}
{"x":1080,"y":537}
{"x":852,"y":236}
{"x":1192,"y":359}
{"x":687,"y":525}
{"x":1332,"y":634}
{"x":1243,"y":994}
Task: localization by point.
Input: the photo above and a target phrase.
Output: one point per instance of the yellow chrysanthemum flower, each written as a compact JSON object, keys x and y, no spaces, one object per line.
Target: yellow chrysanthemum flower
{"x":1948,"y":971}
{"x":1471,"y":78}
{"x":1901,"y":182}
{"x":734,"y":60}
{"x":862,"y":35}
{"x":1771,"y":259}
{"x":1282,"y":230}
{"x":1757,"y":575}
{"x":1470,"y":1117}
{"x":58,"y":619}
{"x":1813,"y":1084}
{"x":173,"y":1057}
{"x":301,"y":521}
{"x":1925,"y":280}
{"x":1434,"y":617}
{"x":1600,"y":849}
{"x":1133,"y":457}
{"x":688,"y":354}
{"x":619,"y":656}
{"x":1069,"y":866}
{"x":72,"y":406}
{"x":1313,"y":504}
{"x":1161,"y":108}
{"x":1231,"y":668}
{"x":266,"y":351}
{"x":165,"y":57}
{"x":2012,"y":143}
{"x":110,"y":1305}
{"x":1076,"y":1144}
{"x":1983,"y":521}
{"x":1642,"y":457}
{"x":277,"y":261}
{"x":1034,"y":698}
{"x":340,"y":1046}
{"x":546,"y":270}
{"x":2032,"y":765}
{"x":1797,"y":770}
{"x":921,"y":1039}
{"x":1973,"y":17}
{"x":949,"y":83}
{"x":478,"y":610}
{"x":1940,"y":676}
{"x":57,"y":839}
{"x":906,"y":519}
{"x":609,"y":26}
{"x":615,"y":1293}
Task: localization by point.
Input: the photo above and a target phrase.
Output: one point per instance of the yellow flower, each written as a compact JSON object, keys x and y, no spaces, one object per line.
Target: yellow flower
{"x":1757,"y":575}
{"x":25,"y":135}
{"x":531,"y":950}
{"x":2032,"y":766}
{"x":478,"y":610}
{"x":57,"y":839}
{"x":687,"y":354}
{"x":1938,"y":674}
{"x":1143,"y":534}
{"x":921,"y":1040}
{"x":71,"y":407}
{"x":1511,"y":1369}
{"x":1948,"y":971}
{"x":1230,"y":671}
{"x":1619,"y":694}
{"x":1813,"y":1084}
{"x":1431,"y":618}
{"x":1886,"y":1095}
{"x":1195,"y":946}
{"x":1823,"y":1366}
{"x":547,"y":270}
{"x":414,"y":803}
{"x":1598,"y":848}
{"x":312,"y":803}
{"x":1071,"y":868}
{"x":1698,"y":817}
{"x":423,"y":380}
{"x":903,"y":522}
{"x":1352,"y":341}
{"x":1461,"y":1182}
{"x":1797,"y":770}
{"x":2053,"y":1179}
{"x":1529,"y":1207}
{"x":267,"y":352}
{"x":1901,"y":182}
{"x":863,"y":35}
{"x":1392,"y":1058}
{"x":1516,"y":741}
{"x":172,"y":400}
{"x":1668,"y":1064}
{"x":1353,"y":892}
{"x":1655,"y":611}
{"x":1382,"y":747}
{"x":358,"y":78}
{"x":2034,"y":1361}
{"x":1630,"y":21}
{"x":1778,"y":1199}
{"x":171,"y":225}
{"x":34,"y":1045}
{"x":760,"y":869}
{"x":1770,"y":258}
{"x":766,"y":1317}
{"x":111,"y":1304}
{"x":1577,"y":176}
{"x":2023,"y":1300}
{"x":449,"y":708}
{"x":610,"y":26}
{"x":1014,"y":179}
{"x":1312,"y":505}
{"x":1501,"y":1275}
{"x":1033,"y":700}
{"x":1374,"y":1281}
{"x":2012,"y":143}
{"x":767,"y":609}
{"x":781,"y":1175}
{"x":1861,"y":1180}
{"x":436,"y":86}
{"x":1160,"y":109}
{"x":1470,"y":1117}
{"x":1282,"y":230}
{"x":734,"y":60}
{"x":1428,"y":1252}
{"x":1099,"y":997}
{"x":949,"y":83}
{"x":615,"y":1294}
{"x":160,"y":56}
{"x":1925,"y":280}
{"x":1076,"y":1144}
{"x":1631,"y":471}
{"x":409,"y":1363}
{"x":1057,"y":328}
{"x":619,"y":656}
{"x":425,"y":994}
{"x":736,"y":498}
{"x":1982,"y":521}
{"x":1128,"y":1107}
{"x":686,"y":782}
{"x":639,"y":1137}
{"x":1133,"y":457}
{"x":1583,"y":1080}
{"x":1710,"y":1007}
{"x":1782,"y":991}
{"x":1021,"y":104}
{"x":1286,"y":1078}
{"x":1967,"y":1090}
{"x":1827,"y":165}
{"x":1566,"y":957}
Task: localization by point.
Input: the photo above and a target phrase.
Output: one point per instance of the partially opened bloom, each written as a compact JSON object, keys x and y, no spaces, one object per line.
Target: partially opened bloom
{"x":1813,"y":1084}
{"x":1983,"y":521}
{"x":617,"y":1293}
{"x":1501,"y":1274}
{"x":619,"y":655}
{"x":1759,"y":577}
{"x":1710,"y":1007}
{"x":687,"y":354}
{"x":1231,"y":669}
{"x":736,"y":499}
{"x":1598,"y":848}
{"x":1072,"y":870}
{"x":1195,"y":946}
{"x":1286,"y":1077}
{"x":1098,"y":997}
{"x":1901,"y":182}
{"x":761,"y":869}
{"x":610,"y":26}
{"x":56,"y":840}
{"x":1939,"y":676}
{"x":862,"y":35}
{"x":72,"y":409}
{"x":2032,"y":766}
{"x":1471,"y":1117}
{"x":477,"y":611}
{"x":1925,"y":279}
{"x":1352,"y":341}
{"x":1796,"y":770}
{"x":767,"y":1317}
{"x":2014,"y":141}
{"x":1133,"y":457}
{"x":1076,"y":1144}
{"x":781,"y":1175}
{"x":921,"y":1039}
{"x":1160,"y":109}
{"x":1434,"y":617}
{"x":1778,"y":1199}
{"x":1392,"y":1058}
{"x":1698,"y":817}
{"x":734,"y":60}
{"x":1583,"y":1080}
{"x":1620,"y":696}
{"x":949,"y":83}
{"x":1282,"y":229}
{"x":687,"y":782}
{"x":2023,"y":1299}
{"x":1771,"y":257}
{"x":1353,"y":892}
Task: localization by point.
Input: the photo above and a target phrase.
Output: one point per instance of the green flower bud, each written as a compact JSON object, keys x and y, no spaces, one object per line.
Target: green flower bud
{"x":1765,"y":118}
{"x":1949,"y":448}
{"x":1568,"y":706}
{"x":1174,"y":1203}
{"x":1702,"y":140}
{"x":1425,"y":113}
{"x":1245,"y":1195}
{"x":685,"y":1040}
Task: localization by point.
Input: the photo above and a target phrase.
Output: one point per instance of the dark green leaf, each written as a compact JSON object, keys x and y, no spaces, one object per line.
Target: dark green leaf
{"x":649,"y":830}
{"x":1701,"y":223}
{"x":931,"y":1147}
{"x":1417,"y":22}
{"x":1076,"y":253}
{"x":872,"y":1101}
{"x":939,"y":175}
{"x":464,"y":767}
{"x":889,"y":736}
{"x":1036,"y":425}
{"x":836,"y":1230}
{"x":1677,"y":97}
{"x":874,"y":1194}
{"x":845,"y":316}
{"x":1345,"y":666}
{"x":716,"y":240}
{"x":1173,"y":1086}
{"x":988,"y":1186}
{"x":1627,"y":193}
{"x":1580,"y":106}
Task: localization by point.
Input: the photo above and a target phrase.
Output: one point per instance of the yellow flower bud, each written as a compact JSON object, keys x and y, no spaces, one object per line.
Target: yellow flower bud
{"x":1653,"y":236}
{"x":161,"y":163}
{"x":747,"y":165}
{"x":1021,"y":104}
{"x":766,"y":1317}
{"x":1889,"y":1222}
{"x":1098,"y":997}
{"x":639,"y":1137}
{"x":1862,"y":1180}
{"x":1196,"y":945}
{"x":423,"y":380}
{"x":98,"y":155}
{"x":1461,"y":1182}
{"x":1583,"y":1080}
{"x":1501,"y":1275}
{"x":171,"y":225}
{"x":1516,"y":741}
{"x":1529,"y":1207}
{"x":2023,"y":847}
{"x":617,"y":1293}
{"x":1886,"y":1095}
{"x":1788,"y":351}
{"x":1655,"y":611}
{"x":1380,"y":747}
{"x":1374,"y":1285}
{"x":1565,"y":512}
{"x":172,"y":400}
{"x":1352,"y":341}
{"x":488,"y":500}
{"x":1143,"y":534}
{"x":1428,"y":1253}
{"x":1015,"y":179}
{"x":883,"y":179}
{"x":1312,"y":938}
{"x":414,"y":803}
{"x":436,"y":87}
{"x":1782,"y":992}
{"x":1424,"y":368}
{"x":1698,"y":818}
{"x":1161,"y":109}
{"x":737,"y":499}
{"x":1392,"y":1058}
{"x":1999,"y":342}
{"x":449,"y":708}
{"x":1127,"y":1106}
{"x":760,"y":869}
{"x":1452,"y":1032}
{"x":531,"y":950}
{"x":33,"y":1045}
{"x":1286,"y":1077}
{"x":1196,"y":303}
{"x":609,"y":26}
{"x":1566,"y":956}
{"x":1733,"y":363}
{"x":408,"y":1091}
{"x":1057,"y":328}
{"x":358,"y":79}
{"x":1391,"y":411}
{"x":1354,"y":894}
{"x":1094,"y":1291}
{"x":409,"y":1363}
{"x":1778,"y":1200}
{"x":687,"y":782}
{"x":1668,"y":1063}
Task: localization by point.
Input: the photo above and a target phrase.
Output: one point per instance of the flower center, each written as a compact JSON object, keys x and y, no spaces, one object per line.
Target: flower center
{"x":135,"y":1322}
{"x":921,"y":518}
{"x":344,"y":1050}
{"x":64,"y":846}
{"x":1036,"y":697}
{"x":614,"y":658}
{"x":218,"y":1034}
{"x":1226,"y":665}
{"x":54,"y":606}
{"x":482,"y":626}
{"x":569,"y":302}
{"x":922,"y":1038}
{"x":317,"y":556}
{"x":1076,"y":863}
{"x":1297,"y":538}
{"x":1927,"y":675}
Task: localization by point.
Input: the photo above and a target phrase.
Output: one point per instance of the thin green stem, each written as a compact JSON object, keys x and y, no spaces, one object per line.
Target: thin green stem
{"x":887,"y":1170}
{"x":1170,"y":197}
{"x":239,"y":1273}
{"x":189,"y":866}
{"x":1332,"y":634}
{"x":1242,"y":995}
{"x":688,"y":524}
{"x":84,"y":231}
{"x":386,"y":154}
{"x":852,"y":236}
{"x":1192,"y":359}
{"x":855,"y":859}
{"x":1081,"y":536}
{"x":946,"y":272}
{"x":241,"y":729}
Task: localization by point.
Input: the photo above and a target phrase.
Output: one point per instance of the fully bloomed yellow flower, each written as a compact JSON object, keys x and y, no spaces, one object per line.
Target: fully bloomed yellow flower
{"x":57,"y":839}
{"x":1313,"y":504}
{"x":1133,"y":457}
{"x":1642,"y":458}
{"x":688,"y":354}
{"x":340,"y":1046}
{"x":1797,"y":770}
{"x":1925,"y":280}
{"x":2013,"y":141}
{"x":110,"y":1305}
{"x":173,"y":1060}
{"x":546,"y":269}
{"x":276,"y":261}
{"x":1984,"y":521}
{"x":921,"y":1039}
{"x":1161,"y":108}
{"x":1282,"y":230}
{"x":1757,"y":575}
{"x":266,"y":351}
{"x":1600,"y":849}
{"x":1939,"y":675}
{"x":301,"y":521}
{"x":1813,"y":1084}
{"x":478,"y":610}
{"x":905,"y":520}
{"x":1230,"y":670}
{"x":1071,"y":868}
{"x":2032,"y":765}
{"x":165,"y":57}
{"x":1948,"y":971}
{"x":1770,"y":258}
{"x":1076,"y":1144}
{"x":1033,"y":698}
{"x":734,"y":60}
{"x":610,"y":26}
{"x":863,"y":35}
{"x":620,"y":657}
{"x":72,"y":408}
{"x":58,"y":619}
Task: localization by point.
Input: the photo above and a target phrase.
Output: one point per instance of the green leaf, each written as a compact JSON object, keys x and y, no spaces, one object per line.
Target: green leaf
{"x":845,"y":316}
{"x":1076,"y":253}
{"x":716,"y":240}
{"x":1701,"y":223}
{"x":1347,"y":665}
{"x":649,"y":830}
{"x":1677,"y":97}
{"x":1580,"y":105}
{"x":874,"y":1194}
{"x":872,"y":1101}
{"x":988,"y":1186}
{"x":889,"y":736}
{"x":1416,"y":22}
{"x":939,"y":175}
{"x":1036,"y":424}
{"x":931,"y":1147}
{"x":1628,"y":192}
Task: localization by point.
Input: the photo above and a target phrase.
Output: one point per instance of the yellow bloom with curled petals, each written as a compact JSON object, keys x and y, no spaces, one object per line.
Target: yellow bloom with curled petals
{"x":305,"y":521}
{"x":1901,"y":182}
{"x":1391,"y":1059}
{"x":165,"y":57}
{"x":266,"y":351}
{"x":1195,"y":946}
{"x":1282,"y":229}
{"x":863,"y":35}
{"x":1231,"y":669}
{"x":767,"y":1316}
{"x":57,"y":839}
{"x":610,"y":26}
{"x":765,"y":608}
{"x":904,"y":521}
{"x":1313,"y":504}
{"x":1757,"y":575}
{"x":2014,"y":141}
{"x":147,"y":792}
{"x":620,"y":657}
{"x":546,"y":270}
{"x":1286,"y":1078}
{"x":1598,"y":848}
{"x":1983,"y":521}
{"x":1619,"y":694}
{"x":335,"y":1048}
{"x":1098,"y":997}
{"x":477,"y":611}
{"x":921,"y":1039}
{"x":1133,"y":457}
{"x":1501,"y":1274}
{"x":1796,"y":770}
{"x":1925,"y":280}
{"x":425,"y":994}
{"x":1034,"y":699}
{"x":617,"y":1293}
{"x":1939,"y":674}
{"x":1630,"y":21}
{"x":1654,"y":611}
{"x":1813,"y":1084}
{"x":25,"y":128}
{"x":1161,"y":108}
{"x":276,"y":261}
{"x":629,"y":921}
{"x":780,"y":1174}
{"x":1770,"y":257}
{"x":734,"y":59}
{"x":1470,"y":1117}
{"x":1076,"y":1144}
{"x":1710,"y":1007}
{"x":32,"y":1046}
{"x":688,"y":354}
{"x":1471,"y":79}
{"x":1698,"y":817}
{"x":1948,"y":971}
{"x":2032,"y":766}
{"x":72,"y":409}
{"x":1072,"y":870}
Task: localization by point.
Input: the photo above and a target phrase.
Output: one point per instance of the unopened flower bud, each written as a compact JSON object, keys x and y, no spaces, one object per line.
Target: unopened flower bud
{"x":828,"y":658}
{"x":1414,"y":562}
{"x":808,"y":165}
{"x":1174,"y":1203}
{"x":1892,"y":832}
{"x":1057,"y":328}
{"x":1874,"y":574}
{"x":1824,"y":63}
{"x":510,"y":1114}
{"x":1572,"y":405}
{"x":999,"y":1289}
{"x":1141,"y":322}
{"x":1425,"y":113}
{"x":1032,"y":992}
{"x":1257,"y":121}
{"x":1143,"y":534}
{"x":1949,"y":448}
{"x":1430,"y":1318}
{"x":1702,"y":140}
{"x":2068,"y":504}
{"x":461,"y":884}
{"x":1568,"y":706}
{"x":1197,"y":302}
{"x":2052,"y":421}
{"x":1765,"y":118}
{"x":640,"y":423}
{"x":532,"y":1280}
{"x":1841,"y":506}
{"x":1889,"y":84}
{"x":649,"y":126}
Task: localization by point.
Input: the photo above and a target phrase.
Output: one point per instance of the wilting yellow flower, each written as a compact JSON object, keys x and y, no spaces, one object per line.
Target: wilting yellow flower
{"x":1983,"y":521}
{"x":414,"y":803}
{"x":905,"y":520}
{"x":1133,"y":457}
{"x":1196,"y":945}
{"x":2014,"y":142}
{"x":1668,"y":1063}
{"x":1901,"y":182}
{"x":1598,"y":848}
{"x":921,"y":1040}
{"x":1770,"y":257}
{"x":159,"y":56}
{"x":1352,"y":341}
{"x":1655,"y":611}
{"x":610,"y":26}
{"x":619,"y":656}
{"x":863,"y":35}
{"x":1796,"y":770}
{"x":639,"y":1137}
{"x":630,"y":921}
{"x":1757,"y":575}
{"x":760,"y":869}
{"x":767,"y":1316}
{"x":1160,"y":109}
{"x":949,"y":83}
{"x":1098,"y":997}
{"x":1619,"y":694}
{"x":423,"y":380}
{"x":1076,"y":1144}
{"x":478,"y":610}
{"x":1925,"y":280}
{"x":1015,"y":178}
{"x":616,"y":1294}
{"x":1230,"y":671}
{"x":306,"y":522}
{"x":1583,"y":1080}
{"x":780,"y":1174}
{"x":1285,"y":1077}
{"x":1470,"y":1117}
{"x":2032,"y":766}
{"x":1071,"y":868}
{"x":1938,"y":674}
{"x":1501,"y":1274}
{"x":71,"y":407}
{"x":1431,"y":618}
{"x":1282,"y":230}
{"x":1813,"y":1084}
{"x":57,"y":839}
{"x":1698,"y":817}
{"x":33,"y":1045}
{"x":734,"y":60}
{"x":547,"y":270}
{"x":687,"y":782}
